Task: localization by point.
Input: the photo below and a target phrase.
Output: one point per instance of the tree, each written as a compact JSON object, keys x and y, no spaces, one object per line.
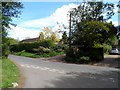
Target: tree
{"x":41,"y":36}
{"x":53,"y":37}
{"x":89,"y":23}
{"x":9,"y":10}
{"x":90,"y":11}
{"x":95,"y":32}
{"x":12,"y":41}
{"x":65,"y":38}
{"x":47,"y":31}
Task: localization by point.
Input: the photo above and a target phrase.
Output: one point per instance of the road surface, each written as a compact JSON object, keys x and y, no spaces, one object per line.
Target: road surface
{"x":45,"y":74}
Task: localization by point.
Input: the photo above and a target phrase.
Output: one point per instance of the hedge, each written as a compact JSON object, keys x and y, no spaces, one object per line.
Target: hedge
{"x":29,"y":47}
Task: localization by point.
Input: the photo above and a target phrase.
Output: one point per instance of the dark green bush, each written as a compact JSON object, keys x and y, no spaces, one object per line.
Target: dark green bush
{"x":94,"y":54}
{"x":70,"y":59}
{"x":30,"y":47}
{"x":47,"y":43}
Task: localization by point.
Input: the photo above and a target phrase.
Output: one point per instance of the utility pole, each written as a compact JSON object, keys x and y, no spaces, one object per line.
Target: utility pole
{"x":70,"y":31}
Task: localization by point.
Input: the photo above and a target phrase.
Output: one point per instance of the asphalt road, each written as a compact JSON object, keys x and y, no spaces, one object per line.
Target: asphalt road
{"x":45,"y":74}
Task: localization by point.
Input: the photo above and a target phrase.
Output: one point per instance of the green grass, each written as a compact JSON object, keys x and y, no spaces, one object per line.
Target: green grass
{"x":38,"y":55}
{"x":10,"y":73}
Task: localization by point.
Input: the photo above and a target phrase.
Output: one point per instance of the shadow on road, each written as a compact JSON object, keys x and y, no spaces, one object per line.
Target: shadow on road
{"x":86,"y":80}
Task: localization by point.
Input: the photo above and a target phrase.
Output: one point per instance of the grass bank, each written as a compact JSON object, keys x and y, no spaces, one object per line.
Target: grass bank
{"x":10,"y":73}
{"x":38,"y":55}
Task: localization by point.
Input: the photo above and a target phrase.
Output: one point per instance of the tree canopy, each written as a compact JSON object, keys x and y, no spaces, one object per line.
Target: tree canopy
{"x":89,"y":26}
{"x":8,"y":11}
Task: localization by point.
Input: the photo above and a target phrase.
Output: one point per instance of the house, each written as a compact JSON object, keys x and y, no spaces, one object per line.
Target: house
{"x":30,"y":40}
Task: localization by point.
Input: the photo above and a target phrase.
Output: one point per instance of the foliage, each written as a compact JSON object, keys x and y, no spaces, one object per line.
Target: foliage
{"x":12,"y":41}
{"x":106,"y":48}
{"x":96,"y":11}
{"x":29,"y":47}
{"x":9,"y":10}
{"x":94,"y":54}
{"x":47,"y":43}
{"x":42,"y":37}
{"x":100,"y":34}
{"x":83,"y":59}
{"x":65,"y":38}
{"x":42,"y":50}
{"x":10,"y":73}
{"x":53,"y":37}
{"x":50,"y":34}
{"x":47,"y":31}
{"x":38,"y":55}
{"x":89,"y":24}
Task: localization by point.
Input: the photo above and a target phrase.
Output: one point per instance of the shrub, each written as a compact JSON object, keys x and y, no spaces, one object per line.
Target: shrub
{"x":30,"y":47}
{"x":83,"y":59}
{"x":47,"y":43}
{"x":46,"y":50}
{"x":69,"y":59}
{"x":42,"y":50}
{"x":94,"y":54}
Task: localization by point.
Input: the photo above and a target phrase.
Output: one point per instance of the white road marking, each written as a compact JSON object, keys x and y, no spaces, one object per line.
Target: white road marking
{"x":61,"y":72}
{"x":22,"y":65}
{"x":53,"y":70}
{"x":37,"y":67}
{"x":33,"y":66}
{"x":27,"y":66}
{"x":42,"y":68}
{"x":93,"y":77}
{"x":46,"y":68}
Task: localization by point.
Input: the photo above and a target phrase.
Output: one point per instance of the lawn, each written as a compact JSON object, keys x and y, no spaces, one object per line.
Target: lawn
{"x":10,"y":73}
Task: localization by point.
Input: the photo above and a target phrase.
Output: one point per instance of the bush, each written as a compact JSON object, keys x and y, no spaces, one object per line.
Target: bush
{"x":42,"y":50}
{"x":83,"y":59}
{"x":94,"y":54}
{"x":69,"y":59}
{"x":30,"y":47}
{"x":47,"y":43}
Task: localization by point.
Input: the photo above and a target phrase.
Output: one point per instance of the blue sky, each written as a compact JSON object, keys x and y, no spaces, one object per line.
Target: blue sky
{"x":35,"y":10}
{"x":37,"y":15}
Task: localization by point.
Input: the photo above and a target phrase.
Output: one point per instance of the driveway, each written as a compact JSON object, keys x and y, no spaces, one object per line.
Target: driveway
{"x":45,"y":74}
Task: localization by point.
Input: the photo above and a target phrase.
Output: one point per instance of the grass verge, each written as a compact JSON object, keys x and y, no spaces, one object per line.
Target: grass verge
{"x":38,"y":55}
{"x":10,"y":73}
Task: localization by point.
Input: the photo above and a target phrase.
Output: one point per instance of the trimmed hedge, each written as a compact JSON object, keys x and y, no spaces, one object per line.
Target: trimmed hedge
{"x":29,"y":47}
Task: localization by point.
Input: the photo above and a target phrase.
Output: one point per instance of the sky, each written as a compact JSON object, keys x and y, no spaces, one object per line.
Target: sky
{"x":37,"y":15}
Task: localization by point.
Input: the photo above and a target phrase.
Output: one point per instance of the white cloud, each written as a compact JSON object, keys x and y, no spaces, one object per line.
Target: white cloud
{"x":116,"y":23}
{"x":60,"y":15}
{"x":22,"y":33}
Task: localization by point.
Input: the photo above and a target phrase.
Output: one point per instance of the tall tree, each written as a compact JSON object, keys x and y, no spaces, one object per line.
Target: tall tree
{"x":89,"y":23}
{"x":8,"y":11}
{"x":91,"y":11}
